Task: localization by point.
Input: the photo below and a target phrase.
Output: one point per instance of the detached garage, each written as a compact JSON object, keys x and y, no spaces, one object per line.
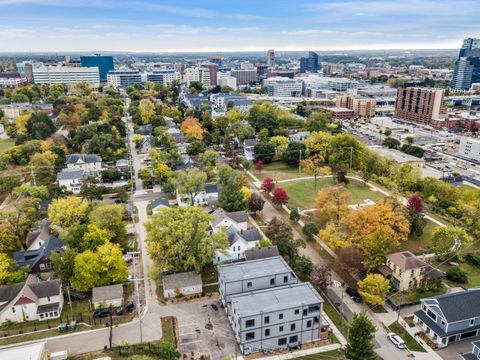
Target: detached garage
{"x":187,"y":283}
{"x":106,"y":296}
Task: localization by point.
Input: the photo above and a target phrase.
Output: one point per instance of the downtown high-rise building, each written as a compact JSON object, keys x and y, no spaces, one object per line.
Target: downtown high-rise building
{"x":271,"y":58}
{"x":310,"y":63}
{"x":103,"y":62}
{"x":419,"y":104}
{"x":467,"y":67}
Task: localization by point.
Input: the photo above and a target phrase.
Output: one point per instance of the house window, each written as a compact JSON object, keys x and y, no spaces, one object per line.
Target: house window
{"x":471,"y":322}
{"x":313,"y":308}
{"x":267,"y":320}
{"x":41,"y":316}
{"x":293,"y":339}
{"x":42,"y":266}
{"x":49,"y":265}
{"x":468,"y":334}
{"x":48,"y":298}
{"x":432,"y":314}
{"x":280,"y":316}
{"x":297,"y":311}
{"x":250,"y":323}
{"x":292,"y":327}
{"x":272,"y":281}
{"x":250,"y":336}
{"x":282,"y":341}
{"x":443,"y":323}
{"x":285,"y":279}
{"x":309,"y":323}
{"x":249,"y":284}
{"x":267,"y":332}
{"x":305,"y":312}
{"x":13,"y":309}
{"x":280,"y":328}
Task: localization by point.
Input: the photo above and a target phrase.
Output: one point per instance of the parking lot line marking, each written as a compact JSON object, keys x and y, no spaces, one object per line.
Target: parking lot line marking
{"x":190,"y":342}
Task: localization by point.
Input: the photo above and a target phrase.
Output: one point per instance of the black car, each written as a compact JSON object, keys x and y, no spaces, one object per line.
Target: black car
{"x":354,"y":294}
{"x":101,"y":313}
{"x":127,"y":308}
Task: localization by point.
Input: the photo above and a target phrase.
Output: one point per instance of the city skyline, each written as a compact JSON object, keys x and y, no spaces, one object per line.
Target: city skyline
{"x":147,"y":26}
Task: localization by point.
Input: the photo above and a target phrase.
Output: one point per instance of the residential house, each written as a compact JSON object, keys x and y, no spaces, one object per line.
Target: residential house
{"x":248,"y":146}
{"x":33,"y":299}
{"x":276,"y":319}
{"x":158,"y":204}
{"x":210,"y":192}
{"x":87,"y":162}
{"x":406,"y":271}
{"x":450,"y":318}
{"x":71,"y":179}
{"x":146,"y":144}
{"x":106,"y":296}
{"x":186,"y":283}
{"x":475,"y":354}
{"x":145,"y":130}
{"x":225,"y":219}
{"x":122,"y":164}
{"x":262,"y":253}
{"x":239,"y":242}
{"x":37,"y":257}
{"x":246,"y":276}
{"x":300,"y":136}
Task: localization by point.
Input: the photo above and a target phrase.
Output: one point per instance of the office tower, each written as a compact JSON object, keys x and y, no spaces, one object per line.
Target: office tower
{"x":271,"y":58}
{"x":284,"y":87}
{"x":164,"y":76}
{"x":418,"y":104}
{"x":467,"y":67}
{"x":123,"y":78}
{"x":103,"y":62}
{"x":197,"y":74}
{"x":26,"y":68}
{"x":213,"y":69}
{"x":309,"y":63}
{"x":245,"y":76}
{"x":66,"y":75}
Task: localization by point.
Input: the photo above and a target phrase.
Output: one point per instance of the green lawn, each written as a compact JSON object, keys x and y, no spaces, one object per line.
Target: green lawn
{"x":6,"y":144}
{"x":336,"y":318}
{"x":302,"y":193}
{"x":472,"y":271}
{"x":420,"y":245}
{"x":411,"y":343}
{"x":168,"y":332}
{"x":209,"y":275}
{"x":278,"y":171}
{"x":327,"y":355}
{"x":416,"y":295}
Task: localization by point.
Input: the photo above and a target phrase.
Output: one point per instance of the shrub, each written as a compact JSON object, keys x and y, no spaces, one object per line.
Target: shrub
{"x":473,"y":258}
{"x":310,"y":230}
{"x":294,"y":214}
{"x":457,"y":275}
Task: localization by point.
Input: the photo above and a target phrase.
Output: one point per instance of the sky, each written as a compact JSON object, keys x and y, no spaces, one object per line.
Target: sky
{"x":225,"y":25}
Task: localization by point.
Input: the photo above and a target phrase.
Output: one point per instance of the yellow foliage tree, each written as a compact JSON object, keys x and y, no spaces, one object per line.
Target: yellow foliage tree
{"x":68,"y":211}
{"x":21,"y":123}
{"x":192,"y":128}
{"x":374,"y":289}
{"x":246,"y":191}
{"x":332,"y":203}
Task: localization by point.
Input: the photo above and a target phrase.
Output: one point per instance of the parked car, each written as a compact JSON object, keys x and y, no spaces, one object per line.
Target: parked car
{"x":354,"y":294}
{"x":101,"y":313}
{"x":396,"y":340}
{"x":129,"y":307}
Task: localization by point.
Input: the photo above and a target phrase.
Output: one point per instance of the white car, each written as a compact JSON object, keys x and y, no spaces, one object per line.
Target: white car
{"x":396,"y":340}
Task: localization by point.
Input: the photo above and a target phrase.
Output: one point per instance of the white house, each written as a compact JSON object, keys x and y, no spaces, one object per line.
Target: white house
{"x":71,"y":179}
{"x":201,"y":199}
{"x":225,"y":219}
{"x":158,"y":204}
{"x":248,"y":146}
{"x":239,"y":242}
{"x":33,"y":299}
{"x":87,"y":162}
{"x":105,"y":296}
{"x":299,"y":136}
{"x":34,"y":351}
{"x":186,"y":283}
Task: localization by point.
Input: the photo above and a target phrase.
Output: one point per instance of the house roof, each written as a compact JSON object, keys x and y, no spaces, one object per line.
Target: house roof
{"x":262,"y":253}
{"x":45,"y":288}
{"x":71,"y":174}
{"x":254,"y":269}
{"x":220,"y":214}
{"x":160,"y":202}
{"x":247,"y":235}
{"x":274,"y":299}
{"x":460,"y":305}
{"x":35,"y":351}
{"x":87,"y":158}
{"x":31,"y":257}
{"x":176,"y":281}
{"x":406,"y":260}
{"x":437,"y":329}
{"x":211,"y":188}
{"x":249,"y":142}
{"x":105,"y":293}
{"x":145,"y":129}
{"x":9,"y":292}
{"x":48,"y":307}
{"x":122,"y":163}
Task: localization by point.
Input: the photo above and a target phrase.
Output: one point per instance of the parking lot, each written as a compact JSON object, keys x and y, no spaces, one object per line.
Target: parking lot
{"x":204,"y":329}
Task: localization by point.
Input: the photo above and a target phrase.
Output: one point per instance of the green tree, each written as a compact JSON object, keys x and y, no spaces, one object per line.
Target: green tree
{"x":40,"y":126}
{"x":69,"y":211}
{"x":190,"y":182}
{"x":263,"y":116}
{"x":374,"y":289}
{"x":64,"y":264}
{"x":91,"y":190}
{"x":374,"y":247}
{"x":319,"y":121}
{"x":264,"y":152}
{"x":360,"y":339}
{"x":10,"y":271}
{"x":9,"y":181}
{"x":294,"y":153}
{"x":448,"y":241}
{"x":109,"y":217}
{"x":231,"y":198}
{"x":147,"y":110}
{"x":226,"y":174}
{"x":304,"y":267}
{"x":391,"y":143}
{"x":178,"y":240}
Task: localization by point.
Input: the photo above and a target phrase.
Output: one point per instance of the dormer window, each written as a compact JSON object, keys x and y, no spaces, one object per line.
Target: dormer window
{"x":471,"y":322}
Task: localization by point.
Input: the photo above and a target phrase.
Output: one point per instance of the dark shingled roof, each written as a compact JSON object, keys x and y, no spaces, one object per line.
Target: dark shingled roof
{"x":9,"y":292}
{"x":248,"y":235}
{"x":46,"y":288}
{"x":266,"y":252}
{"x":211,"y":188}
{"x":220,"y":214}
{"x":160,"y":202}
{"x":88,"y":158}
{"x":31,"y":257}
{"x":48,"y":308}
{"x":405,"y":260}
{"x":461,"y":305}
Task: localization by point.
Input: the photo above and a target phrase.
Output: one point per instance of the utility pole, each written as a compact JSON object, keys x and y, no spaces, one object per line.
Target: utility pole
{"x":111,"y":327}
{"x":351,"y":157}
{"x":69,"y":298}
{"x":299,"y":162}
{"x":399,"y":306}
{"x":33,"y":176}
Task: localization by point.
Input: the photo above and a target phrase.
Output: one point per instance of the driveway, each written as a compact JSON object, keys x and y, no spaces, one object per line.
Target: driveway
{"x":453,"y":351}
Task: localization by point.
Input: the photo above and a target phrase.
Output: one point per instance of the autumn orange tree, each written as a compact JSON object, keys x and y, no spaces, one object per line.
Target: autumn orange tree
{"x":191,"y":128}
{"x":332,"y":203}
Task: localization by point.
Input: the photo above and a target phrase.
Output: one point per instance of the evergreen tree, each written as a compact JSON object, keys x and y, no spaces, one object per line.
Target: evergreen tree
{"x":360,"y":339}
{"x":231,"y":198}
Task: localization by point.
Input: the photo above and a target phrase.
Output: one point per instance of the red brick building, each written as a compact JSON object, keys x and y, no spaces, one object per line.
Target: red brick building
{"x":420,"y":105}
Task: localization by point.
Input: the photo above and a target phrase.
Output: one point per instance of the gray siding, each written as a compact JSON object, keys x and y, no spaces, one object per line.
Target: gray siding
{"x":462,"y":325}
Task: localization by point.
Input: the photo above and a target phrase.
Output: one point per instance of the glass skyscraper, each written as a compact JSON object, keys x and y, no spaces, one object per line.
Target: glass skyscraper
{"x":103,"y":62}
{"x":467,"y":67}
{"x":309,"y":63}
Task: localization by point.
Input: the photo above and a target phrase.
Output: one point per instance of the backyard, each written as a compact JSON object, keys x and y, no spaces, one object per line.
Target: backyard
{"x":473,"y":273}
{"x":420,"y":245}
{"x":302,"y":193}
{"x":6,"y":144}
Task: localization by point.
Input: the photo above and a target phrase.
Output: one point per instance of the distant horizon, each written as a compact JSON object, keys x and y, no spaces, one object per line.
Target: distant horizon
{"x":166,"y":26}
